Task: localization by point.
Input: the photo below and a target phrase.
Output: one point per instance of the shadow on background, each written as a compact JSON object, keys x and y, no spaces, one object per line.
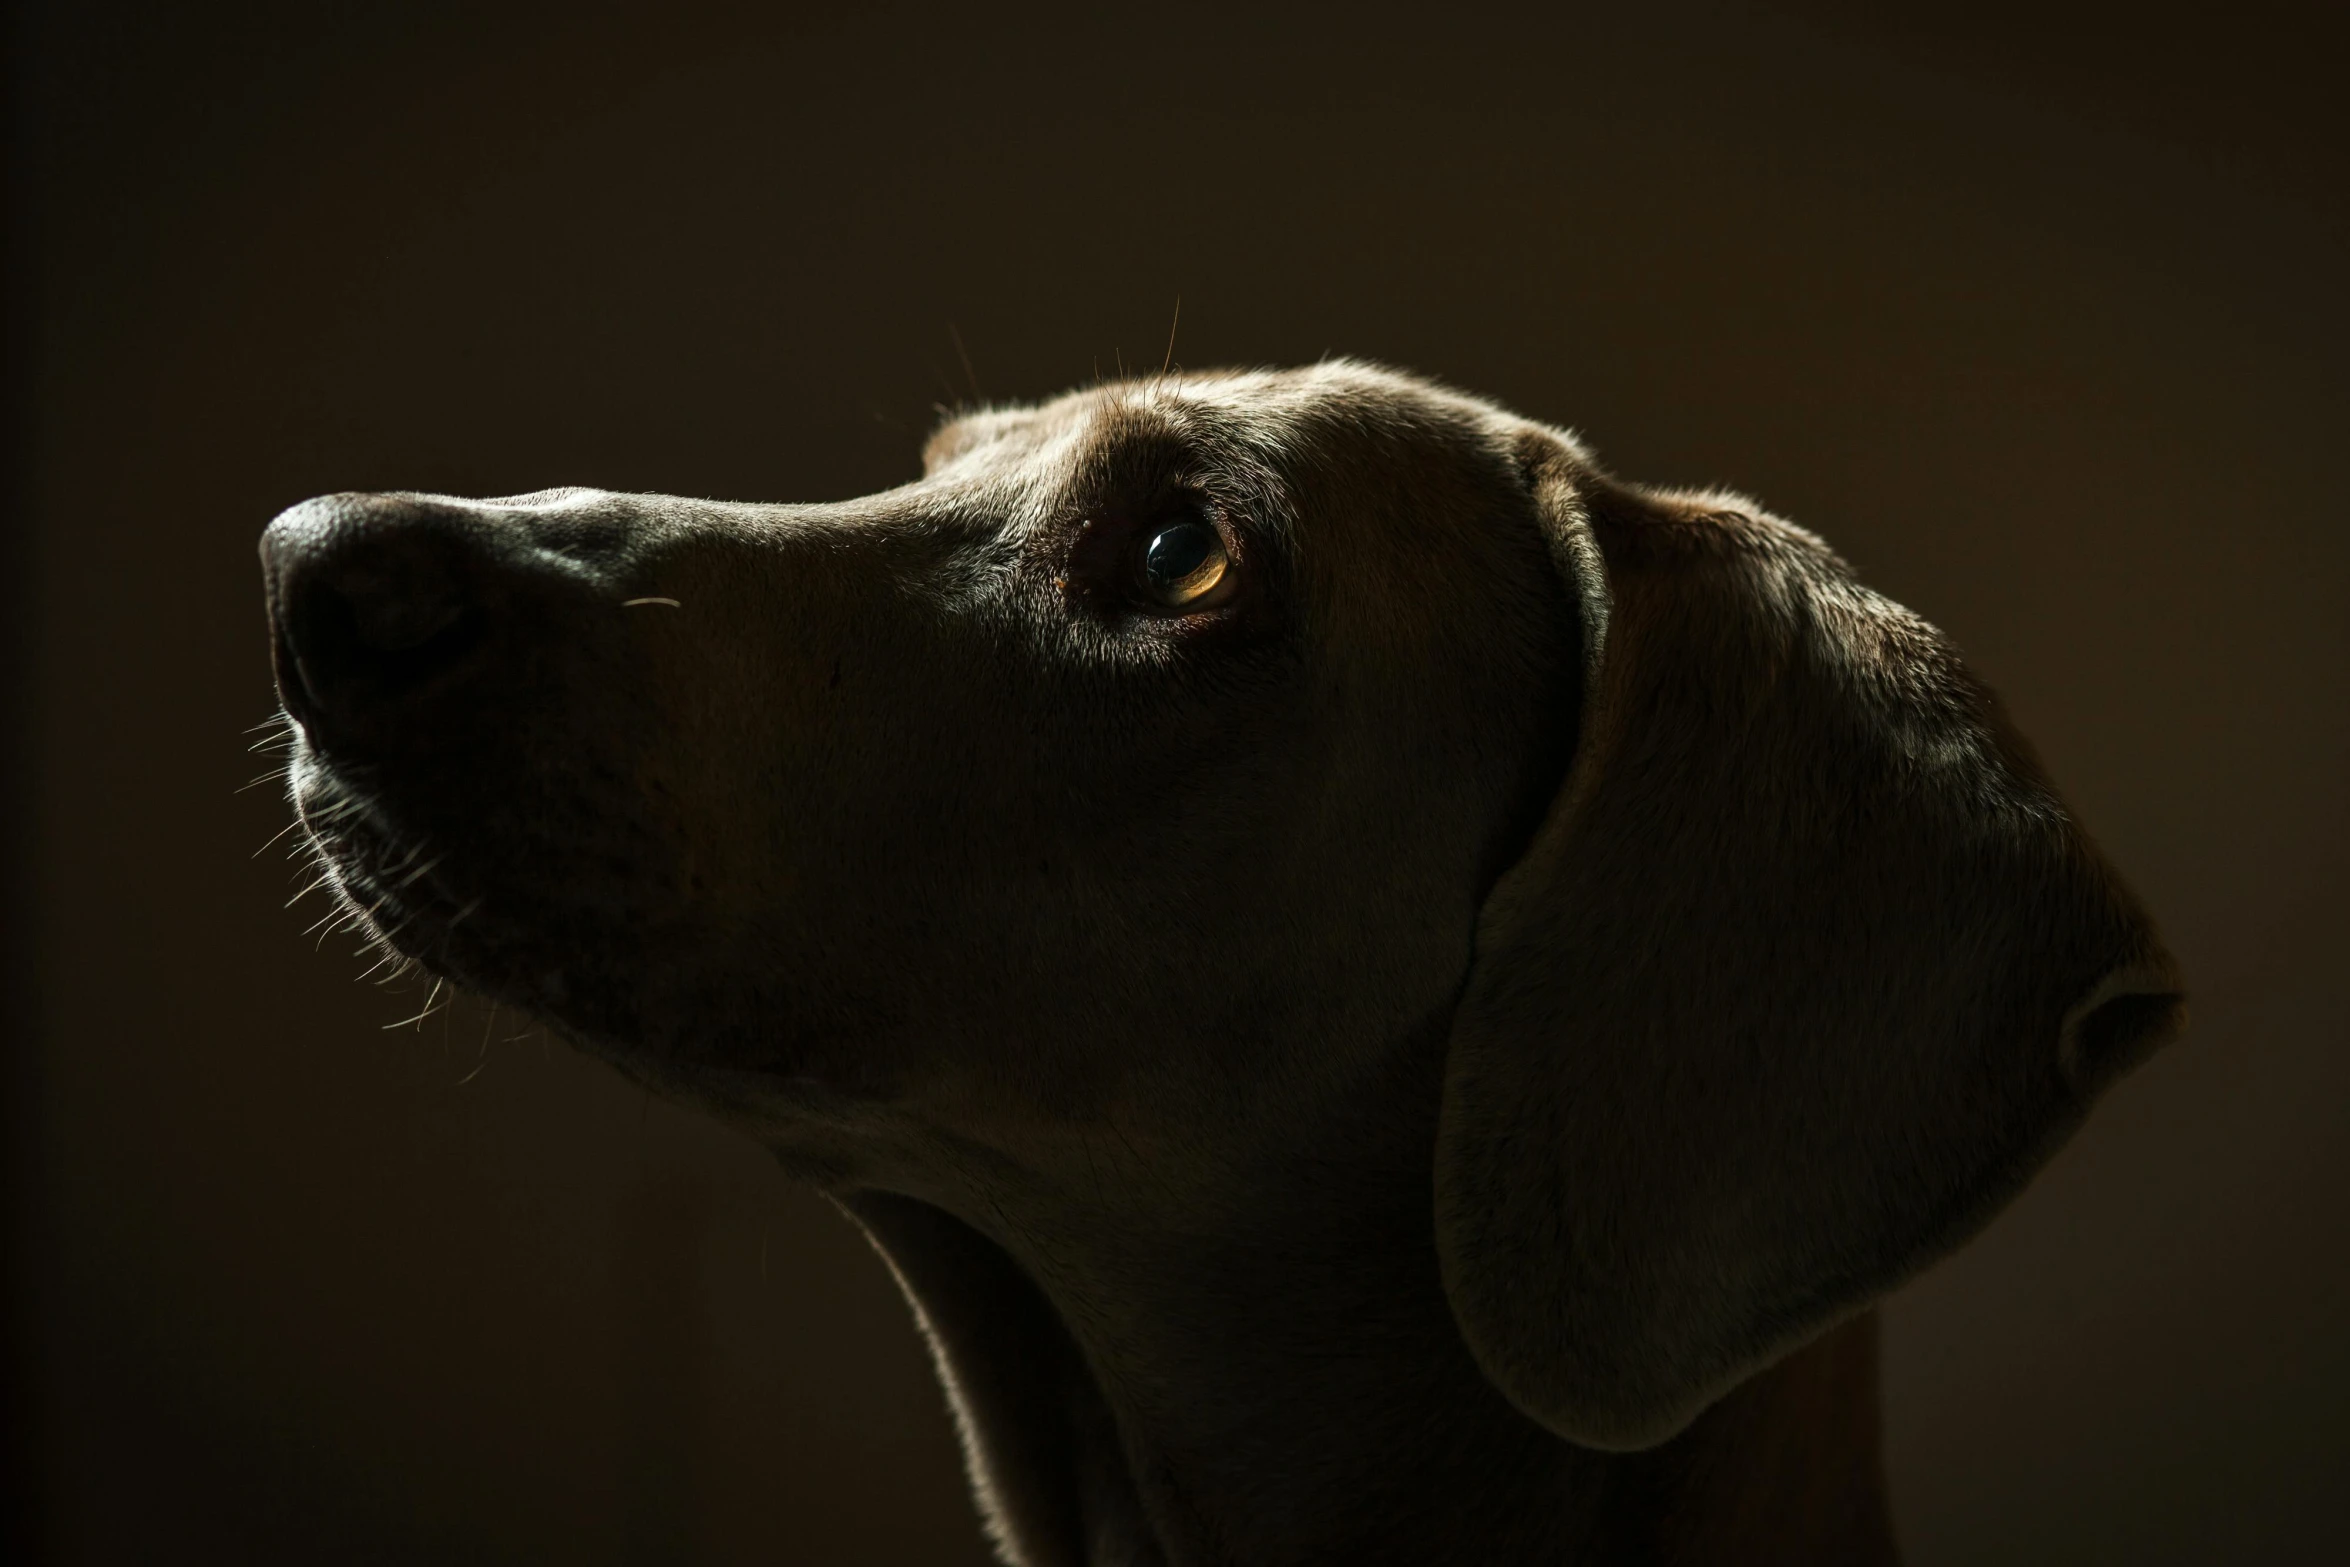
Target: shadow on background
{"x":2040,"y":321}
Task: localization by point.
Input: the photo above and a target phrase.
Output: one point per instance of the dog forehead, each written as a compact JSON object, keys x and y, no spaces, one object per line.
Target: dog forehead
{"x":1301,"y":425}
{"x":1058,"y":441}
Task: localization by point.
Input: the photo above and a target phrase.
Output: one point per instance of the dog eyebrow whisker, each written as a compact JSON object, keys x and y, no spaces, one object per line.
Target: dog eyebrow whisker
{"x":964,"y":354}
{"x":633,"y":603}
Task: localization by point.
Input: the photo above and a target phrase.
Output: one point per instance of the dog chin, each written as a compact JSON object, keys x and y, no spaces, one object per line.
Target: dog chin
{"x":407,"y":893}
{"x":567,"y":985}
{"x":615,"y":962}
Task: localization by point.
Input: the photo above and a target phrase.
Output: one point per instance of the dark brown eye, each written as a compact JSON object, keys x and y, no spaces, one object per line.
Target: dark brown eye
{"x":1183,"y":563}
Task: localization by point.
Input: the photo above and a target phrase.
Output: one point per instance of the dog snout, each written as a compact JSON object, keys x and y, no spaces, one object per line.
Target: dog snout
{"x":378,"y":603}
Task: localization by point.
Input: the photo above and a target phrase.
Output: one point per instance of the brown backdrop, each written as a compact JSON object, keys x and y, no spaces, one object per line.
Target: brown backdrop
{"x":2042,"y":322}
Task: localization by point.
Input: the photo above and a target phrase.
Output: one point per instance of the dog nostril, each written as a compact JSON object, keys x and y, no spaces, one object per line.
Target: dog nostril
{"x":391,"y":616}
{"x":364,"y":637}
{"x":372,"y":600}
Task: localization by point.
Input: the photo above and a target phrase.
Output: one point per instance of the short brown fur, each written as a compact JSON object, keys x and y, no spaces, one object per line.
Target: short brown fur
{"x":1426,"y":1055}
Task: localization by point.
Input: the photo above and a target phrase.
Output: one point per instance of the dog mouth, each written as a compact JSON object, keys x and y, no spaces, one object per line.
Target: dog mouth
{"x":397,"y":889}
{"x":462,"y":902}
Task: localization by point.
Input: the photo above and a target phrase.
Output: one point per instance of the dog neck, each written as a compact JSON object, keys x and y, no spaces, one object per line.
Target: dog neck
{"x":1174,"y":1378}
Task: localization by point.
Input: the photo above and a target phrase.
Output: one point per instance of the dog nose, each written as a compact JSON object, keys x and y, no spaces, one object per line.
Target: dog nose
{"x":376,"y":600}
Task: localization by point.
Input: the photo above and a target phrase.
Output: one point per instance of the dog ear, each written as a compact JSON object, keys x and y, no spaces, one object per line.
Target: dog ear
{"x":1805,"y":972}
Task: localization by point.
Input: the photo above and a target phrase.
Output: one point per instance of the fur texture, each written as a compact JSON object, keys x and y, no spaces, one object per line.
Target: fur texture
{"x":1782,"y":1002}
{"x":1410,"y":1058}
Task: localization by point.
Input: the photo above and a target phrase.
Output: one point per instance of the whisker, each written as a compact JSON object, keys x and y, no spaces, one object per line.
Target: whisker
{"x":969,"y":374}
{"x":403,"y":968}
{"x":426,"y":869}
{"x":1171,"y":326}
{"x":357,"y":920}
{"x":307,"y":891}
{"x":406,"y":859}
{"x":388,"y":954}
{"x":419,"y":1018}
{"x":485,"y":1048}
{"x":274,"y":837}
{"x":954,"y":398}
{"x":396,"y":929}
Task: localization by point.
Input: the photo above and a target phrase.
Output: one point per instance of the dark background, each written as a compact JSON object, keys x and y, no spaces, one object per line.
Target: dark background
{"x":2039,"y":316}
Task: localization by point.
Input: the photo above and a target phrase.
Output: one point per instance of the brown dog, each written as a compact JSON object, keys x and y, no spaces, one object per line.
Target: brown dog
{"x":1376,"y":985}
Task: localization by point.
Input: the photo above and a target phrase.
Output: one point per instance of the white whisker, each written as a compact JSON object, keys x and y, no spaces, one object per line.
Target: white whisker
{"x":485,"y":1048}
{"x":419,"y":1018}
{"x":426,"y":869}
{"x":307,"y":891}
{"x":274,"y":837}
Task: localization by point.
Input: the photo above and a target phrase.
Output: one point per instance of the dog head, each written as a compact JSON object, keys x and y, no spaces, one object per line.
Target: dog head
{"x":1185,"y":749}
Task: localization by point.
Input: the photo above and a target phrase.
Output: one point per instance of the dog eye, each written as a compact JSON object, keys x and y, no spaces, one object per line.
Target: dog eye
{"x":1183,"y":563}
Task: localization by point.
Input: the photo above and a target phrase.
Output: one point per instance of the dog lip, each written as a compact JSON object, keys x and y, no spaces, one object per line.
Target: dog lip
{"x":448,"y":929}
{"x":508,"y":912}
{"x":438,"y":933}
{"x":399,"y":917}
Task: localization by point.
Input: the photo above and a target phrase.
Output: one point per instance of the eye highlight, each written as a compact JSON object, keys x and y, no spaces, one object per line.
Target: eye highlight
{"x":1183,"y":563}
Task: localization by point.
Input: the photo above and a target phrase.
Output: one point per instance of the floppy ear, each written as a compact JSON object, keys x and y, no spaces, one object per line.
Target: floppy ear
{"x":1805,"y":972}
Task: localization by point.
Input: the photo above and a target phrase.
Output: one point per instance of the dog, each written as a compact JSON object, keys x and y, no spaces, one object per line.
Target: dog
{"x":1387,"y":995}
